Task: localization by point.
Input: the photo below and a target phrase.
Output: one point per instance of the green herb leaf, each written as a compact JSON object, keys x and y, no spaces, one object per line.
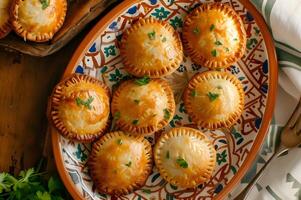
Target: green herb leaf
{"x":43,"y":195}
{"x":135,"y":121}
{"x":116,"y":115}
{"x":212,"y":96}
{"x":193,"y":93}
{"x":164,"y":39}
{"x":235,"y":39}
{"x":219,"y":87}
{"x":54,"y":184}
{"x":214,"y":53}
{"x":182,"y":163}
{"x":227,"y":49}
{"x":87,"y":103}
{"x":137,"y":101}
{"x":152,"y":35}
{"x":147,"y":191}
{"x":119,"y":141}
{"x":166,"y":114}
{"x":167,"y":155}
{"x":45,"y":4}
{"x":142,"y":81}
{"x":196,"y":31}
{"x":128,"y":164}
{"x":212,"y":27}
{"x":218,"y":43}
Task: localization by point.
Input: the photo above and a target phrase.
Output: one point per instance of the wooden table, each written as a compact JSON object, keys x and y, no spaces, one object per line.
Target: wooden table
{"x":25,"y":84}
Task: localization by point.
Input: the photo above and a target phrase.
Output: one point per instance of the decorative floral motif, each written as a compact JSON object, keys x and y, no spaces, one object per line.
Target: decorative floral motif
{"x":176,"y":22}
{"x":221,"y":157}
{"x":110,"y":51}
{"x":161,"y":13}
{"x":110,"y":69}
{"x":80,"y":153}
{"x":115,"y":77}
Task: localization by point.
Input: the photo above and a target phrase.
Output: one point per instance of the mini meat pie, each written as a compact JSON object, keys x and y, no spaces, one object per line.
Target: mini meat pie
{"x":4,"y":18}
{"x":142,"y":106}
{"x":80,"y":108}
{"x":214,"y":99}
{"x":120,"y":163}
{"x":151,"y":48}
{"x":214,"y":35}
{"x":185,"y":157}
{"x":38,"y":20}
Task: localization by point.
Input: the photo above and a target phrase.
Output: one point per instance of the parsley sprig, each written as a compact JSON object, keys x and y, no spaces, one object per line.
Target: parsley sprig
{"x":152,"y":35}
{"x":86,"y":103}
{"x":31,"y":185}
{"x":142,"y":81}
{"x":182,"y":163}
{"x":45,"y":4}
{"x":212,"y":96}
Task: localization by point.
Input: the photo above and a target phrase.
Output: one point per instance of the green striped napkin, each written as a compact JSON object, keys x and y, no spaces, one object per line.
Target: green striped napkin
{"x":283,"y":178}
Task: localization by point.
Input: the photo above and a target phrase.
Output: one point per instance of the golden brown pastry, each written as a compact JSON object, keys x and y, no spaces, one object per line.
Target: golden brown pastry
{"x":80,"y":107}
{"x":38,"y":20}
{"x":120,"y":163}
{"x":185,"y":157}
{"x":214,"y":99}
{"x":151,"y":48}
{"x":143,"y":105}
{"x":4,"y":18}
{"x":214,"y":36}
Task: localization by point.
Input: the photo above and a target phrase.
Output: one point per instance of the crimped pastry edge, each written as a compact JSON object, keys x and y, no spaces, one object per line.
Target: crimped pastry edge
{"x":209,"y":75}
{"x":166,"y":70}
{"x":93,"y":165}
{"x":27,"y":35}
{"x":204,"y":61}
{"x":179,"y":131}
{"x":135,"y":129}
{"x":54,"y":101}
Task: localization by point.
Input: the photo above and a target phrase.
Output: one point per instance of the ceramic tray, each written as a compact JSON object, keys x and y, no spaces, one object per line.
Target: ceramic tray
{"x":98,"y":56}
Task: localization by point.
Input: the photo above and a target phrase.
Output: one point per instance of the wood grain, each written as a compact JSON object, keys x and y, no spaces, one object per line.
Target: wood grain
{"x":25,"y":84}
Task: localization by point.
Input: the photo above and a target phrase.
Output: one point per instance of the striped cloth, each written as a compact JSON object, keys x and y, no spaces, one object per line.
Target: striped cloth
{"x":283,"y":179}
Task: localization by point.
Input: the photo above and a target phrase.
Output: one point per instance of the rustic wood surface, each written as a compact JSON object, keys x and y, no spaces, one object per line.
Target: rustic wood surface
{"x":25,"y":84}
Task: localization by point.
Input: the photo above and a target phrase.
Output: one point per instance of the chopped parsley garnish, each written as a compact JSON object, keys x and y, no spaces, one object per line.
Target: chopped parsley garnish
{"x":235,"y":39}
{"x":137,"y":101}
{"x":167,"y":155}
{"x":135,"y":121}
{"x":212,"y":27}
{"x":119,"y":141}
{"x":86,"y":103}
{"x":117,"y":115}
{"x":196,"y":31}
{"x":164,"y":39}
{"x":147,"y":191}
{"x":166,"y":114}
{"x":45,"y":4}
{"x":212,"y":96}
{"x":142,"y":81}
{"x":182,"y":163}
{"x":217,"y":42}
{"x":128,"y":164}
{"x":152,"y":35}
{"x":214,"y":53}
{"x":227,"y":49}
{"x":219,"y":87}
{"x":193,"y":93}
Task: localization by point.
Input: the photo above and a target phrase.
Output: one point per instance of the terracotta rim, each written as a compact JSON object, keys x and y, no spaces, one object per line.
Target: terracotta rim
{"x":273,"y":79}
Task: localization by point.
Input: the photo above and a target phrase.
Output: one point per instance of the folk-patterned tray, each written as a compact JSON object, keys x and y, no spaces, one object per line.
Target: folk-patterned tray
{"x":98,"y":56}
